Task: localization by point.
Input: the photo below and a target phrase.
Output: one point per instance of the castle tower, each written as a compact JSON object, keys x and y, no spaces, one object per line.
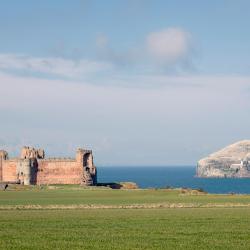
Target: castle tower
{"x":3,"y":157}
{"x":84,"y":159}
{"x":27,"y":165}
{"x":26,"y":171}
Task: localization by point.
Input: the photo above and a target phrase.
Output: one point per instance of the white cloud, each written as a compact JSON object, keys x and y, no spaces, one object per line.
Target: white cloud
{"x":52,"y":65}
{"x":169,"y":45}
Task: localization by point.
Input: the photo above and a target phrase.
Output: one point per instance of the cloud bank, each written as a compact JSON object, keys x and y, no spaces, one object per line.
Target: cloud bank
{"x":165,"y":48}
{"x":183,"y":120}
{"x":52,"y":65}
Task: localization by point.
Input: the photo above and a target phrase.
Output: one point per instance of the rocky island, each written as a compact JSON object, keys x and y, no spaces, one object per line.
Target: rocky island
{"x":231,"y":161}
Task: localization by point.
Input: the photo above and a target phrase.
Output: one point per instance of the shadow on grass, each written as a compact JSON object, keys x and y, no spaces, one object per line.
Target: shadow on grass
{"x":112,"y":185}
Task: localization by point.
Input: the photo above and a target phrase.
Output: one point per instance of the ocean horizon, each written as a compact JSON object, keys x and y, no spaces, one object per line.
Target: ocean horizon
{"x":172,"y":176}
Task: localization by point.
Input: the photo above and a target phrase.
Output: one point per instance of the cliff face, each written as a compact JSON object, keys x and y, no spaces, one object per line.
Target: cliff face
{"x":231,"y":161}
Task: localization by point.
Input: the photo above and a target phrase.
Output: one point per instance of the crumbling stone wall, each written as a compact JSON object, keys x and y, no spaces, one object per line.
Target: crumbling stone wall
{"x":9,"y":170}
{"x":58,"y":171}
{"x":33,"y":168}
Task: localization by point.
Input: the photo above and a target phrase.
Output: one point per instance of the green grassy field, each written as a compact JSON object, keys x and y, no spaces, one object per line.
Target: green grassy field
{"x":95,"y":228}
{"x":126,"y":229}
{"x":76,"y":196}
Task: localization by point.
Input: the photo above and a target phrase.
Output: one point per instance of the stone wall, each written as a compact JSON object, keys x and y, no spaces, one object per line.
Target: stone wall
{"x":9,"y":170}
{"x":58,"y":172}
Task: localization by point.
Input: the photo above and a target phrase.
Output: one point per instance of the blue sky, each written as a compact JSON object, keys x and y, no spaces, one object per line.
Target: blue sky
{"x":64,"y":28}
{"x":139,"y":82}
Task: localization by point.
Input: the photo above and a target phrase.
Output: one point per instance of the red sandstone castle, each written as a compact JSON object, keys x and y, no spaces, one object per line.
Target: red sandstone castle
{"x":33,"y":168}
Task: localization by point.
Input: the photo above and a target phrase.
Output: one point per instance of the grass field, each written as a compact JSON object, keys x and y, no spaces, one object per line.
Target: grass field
{"x":75,"y":196}
{"x":126,"y":229}
{"x":161,"y":228}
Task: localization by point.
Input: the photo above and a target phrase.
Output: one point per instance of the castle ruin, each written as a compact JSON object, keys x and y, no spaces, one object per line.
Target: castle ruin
{"x":32,"y":168}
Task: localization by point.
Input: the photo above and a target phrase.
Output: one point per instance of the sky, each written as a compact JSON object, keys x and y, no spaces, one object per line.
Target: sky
{"x":141,"y":83}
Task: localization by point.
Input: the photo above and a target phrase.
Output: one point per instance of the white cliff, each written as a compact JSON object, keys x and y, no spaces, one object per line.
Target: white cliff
{"x":231,"y":161}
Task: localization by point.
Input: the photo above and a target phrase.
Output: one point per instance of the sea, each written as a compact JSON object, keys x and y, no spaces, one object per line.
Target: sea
{"x":176,"y":177}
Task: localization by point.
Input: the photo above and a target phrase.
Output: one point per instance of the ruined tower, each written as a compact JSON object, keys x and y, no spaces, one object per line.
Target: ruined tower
{"x":84,"y":159}
{"x":3,"y":157}
{"x":27,"y":166}
{"x":26,"y":171}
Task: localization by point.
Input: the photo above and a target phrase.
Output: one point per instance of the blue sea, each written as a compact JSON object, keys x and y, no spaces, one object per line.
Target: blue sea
{"x":160,"y":177}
